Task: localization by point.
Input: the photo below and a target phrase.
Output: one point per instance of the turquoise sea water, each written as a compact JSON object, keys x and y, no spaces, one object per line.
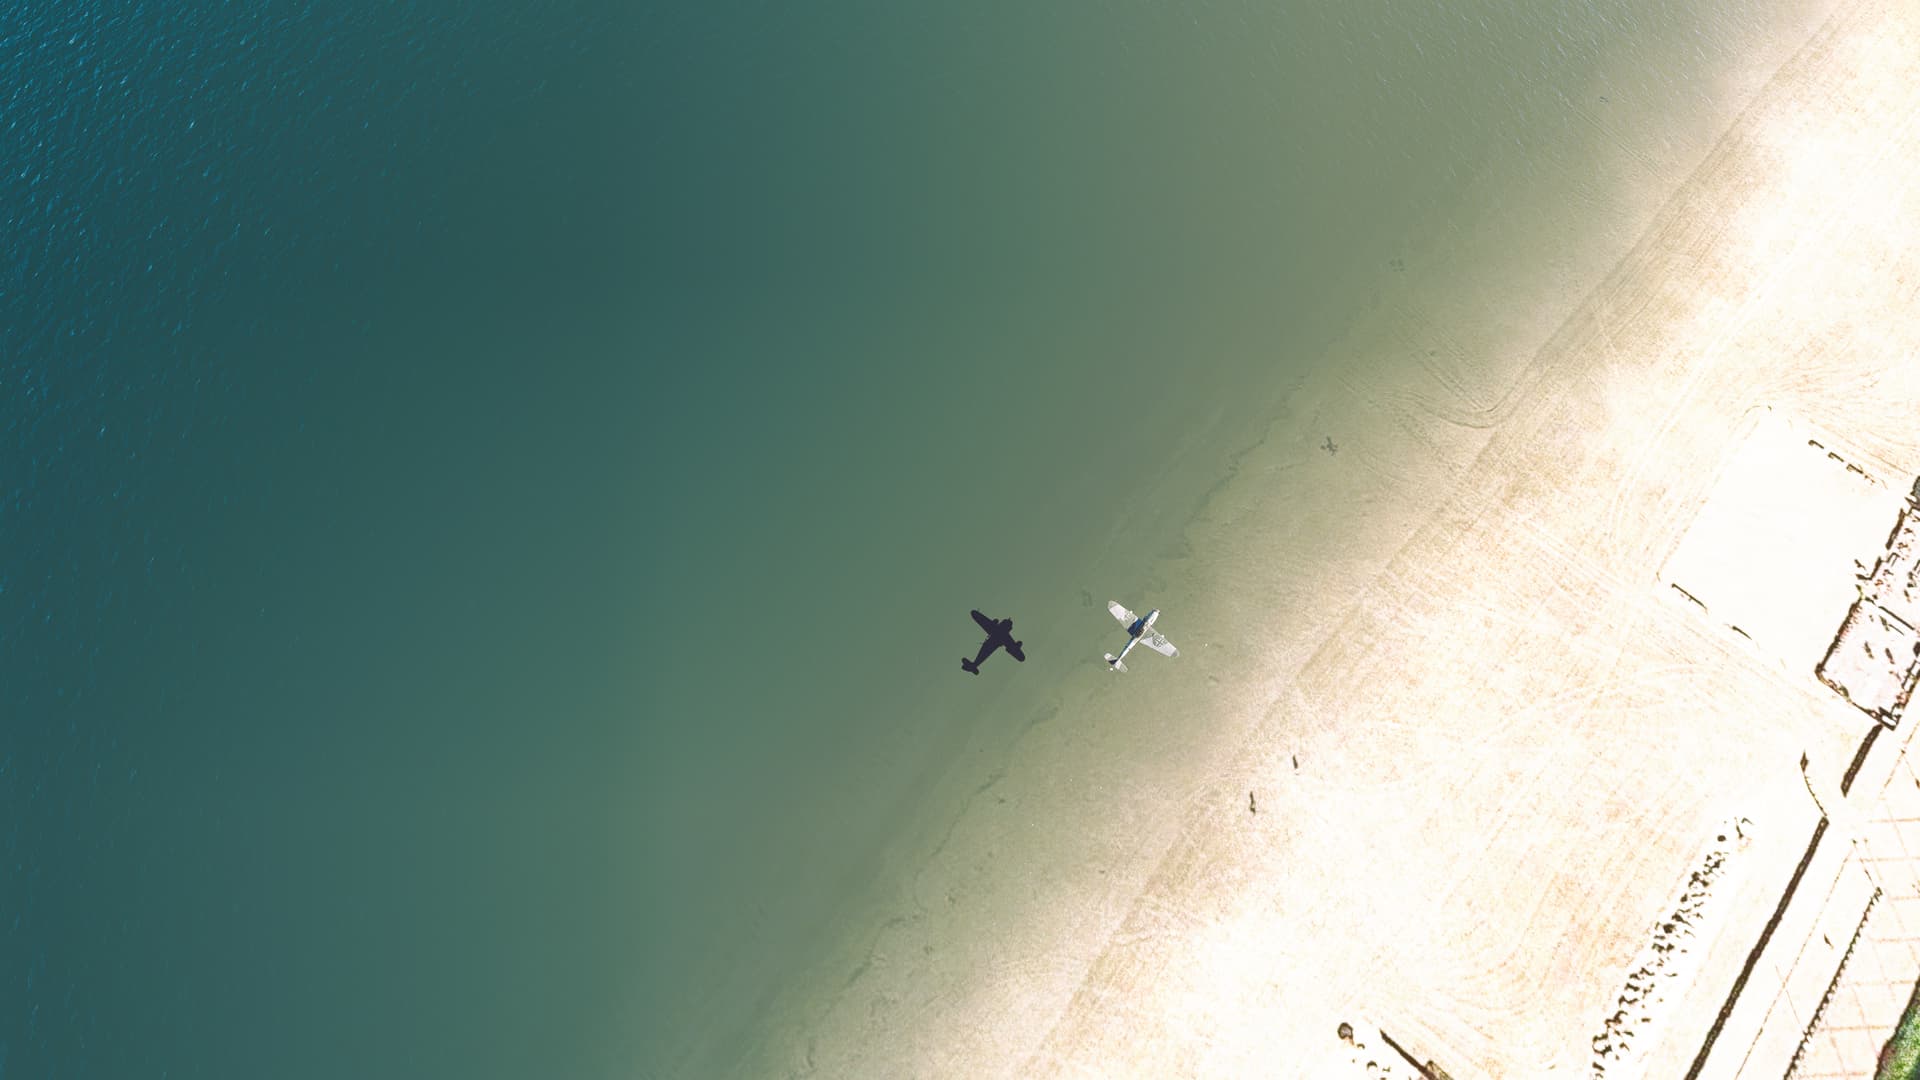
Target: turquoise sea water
{"x":491,"y":495}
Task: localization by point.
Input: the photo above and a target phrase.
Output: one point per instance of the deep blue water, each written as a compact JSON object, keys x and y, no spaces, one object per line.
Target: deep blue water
{"x":282,"y":292}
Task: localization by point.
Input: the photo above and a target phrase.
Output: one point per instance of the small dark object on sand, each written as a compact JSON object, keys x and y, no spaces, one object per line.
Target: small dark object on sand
{"x":1250,"y":807}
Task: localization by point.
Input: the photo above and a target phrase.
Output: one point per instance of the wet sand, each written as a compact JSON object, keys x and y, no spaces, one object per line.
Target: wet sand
{"x":1486,"y":740}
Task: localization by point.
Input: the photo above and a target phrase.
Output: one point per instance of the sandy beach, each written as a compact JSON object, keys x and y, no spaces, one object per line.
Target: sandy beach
{"x":1444,"y":767}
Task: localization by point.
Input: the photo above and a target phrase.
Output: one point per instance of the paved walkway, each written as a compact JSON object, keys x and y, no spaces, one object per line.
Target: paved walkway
{"x":1877,"y":978}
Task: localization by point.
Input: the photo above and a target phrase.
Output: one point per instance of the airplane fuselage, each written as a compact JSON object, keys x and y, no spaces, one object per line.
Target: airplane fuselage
{"x":1138,"y":627}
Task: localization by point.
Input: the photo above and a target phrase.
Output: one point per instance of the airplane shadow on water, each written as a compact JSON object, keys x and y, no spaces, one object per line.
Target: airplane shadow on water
{"x":999,"y":636}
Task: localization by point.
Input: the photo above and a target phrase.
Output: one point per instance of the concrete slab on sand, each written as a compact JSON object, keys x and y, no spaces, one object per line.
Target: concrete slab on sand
{"x":1792,"y":524}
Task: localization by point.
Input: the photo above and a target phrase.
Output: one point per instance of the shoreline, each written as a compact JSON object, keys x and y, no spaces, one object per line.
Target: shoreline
{"x":1129,"y":752}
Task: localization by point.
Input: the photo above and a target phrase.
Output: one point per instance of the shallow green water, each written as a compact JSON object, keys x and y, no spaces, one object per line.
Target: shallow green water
{"x":1084,"y":252}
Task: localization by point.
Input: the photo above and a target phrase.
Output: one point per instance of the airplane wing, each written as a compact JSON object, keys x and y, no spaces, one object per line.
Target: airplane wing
{"x":1121,"y":613}
{"x":1158,"y":643}
{"x":985,"y":623}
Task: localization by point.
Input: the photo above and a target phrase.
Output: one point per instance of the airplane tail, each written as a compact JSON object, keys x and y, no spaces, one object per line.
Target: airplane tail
{"x":968,"y":665}
{"x":1114,"y":663}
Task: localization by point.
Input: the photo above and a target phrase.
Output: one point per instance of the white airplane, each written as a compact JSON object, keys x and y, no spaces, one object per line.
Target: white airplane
{"x":1139,"y":631}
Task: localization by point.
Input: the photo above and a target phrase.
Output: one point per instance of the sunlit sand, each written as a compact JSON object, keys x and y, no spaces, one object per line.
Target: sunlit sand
{"x":1506,"y":696}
